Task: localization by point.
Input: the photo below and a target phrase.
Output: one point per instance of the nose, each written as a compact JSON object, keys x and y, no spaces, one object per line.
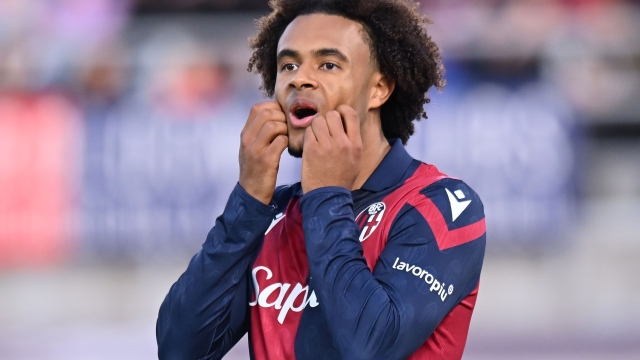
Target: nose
{"x":303,"y":79}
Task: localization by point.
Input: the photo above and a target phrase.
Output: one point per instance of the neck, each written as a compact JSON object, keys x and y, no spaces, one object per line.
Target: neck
{"x":374,"y":147}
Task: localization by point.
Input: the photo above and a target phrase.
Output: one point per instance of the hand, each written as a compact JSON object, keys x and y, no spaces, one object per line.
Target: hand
{"x":331,"y":156}
{"x":262,"y":141}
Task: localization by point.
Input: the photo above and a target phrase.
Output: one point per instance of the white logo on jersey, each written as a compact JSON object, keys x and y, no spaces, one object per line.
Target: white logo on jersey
{"x":436,"y":285}
{"x":457,"y":205}
{"x":371,"y":219}
{"x":281,"y":303}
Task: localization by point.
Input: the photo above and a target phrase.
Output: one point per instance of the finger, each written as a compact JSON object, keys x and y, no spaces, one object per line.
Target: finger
{"x":269,"y":131}
{"x":309,"y":136}
{"x":257,"y":109}
{"x":334,"y":123}
{"x":278,"y":145}
{"x":351,"y":122}
{"x":264,"y":116}
{"x":320,"y":128}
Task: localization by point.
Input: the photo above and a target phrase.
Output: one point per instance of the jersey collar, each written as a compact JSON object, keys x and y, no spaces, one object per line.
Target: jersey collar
{"x":391,"y":168}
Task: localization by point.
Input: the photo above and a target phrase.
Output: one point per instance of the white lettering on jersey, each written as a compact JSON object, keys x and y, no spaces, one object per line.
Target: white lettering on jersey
{"x":436,"y":285}
{"x":283,"y":302}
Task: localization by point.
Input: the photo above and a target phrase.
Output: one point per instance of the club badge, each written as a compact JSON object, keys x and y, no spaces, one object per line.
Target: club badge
{"x":369,"y":219}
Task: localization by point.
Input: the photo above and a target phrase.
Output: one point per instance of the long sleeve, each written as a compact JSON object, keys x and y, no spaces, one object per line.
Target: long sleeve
{"x":423,"y":272}
{"x":206,"y":311}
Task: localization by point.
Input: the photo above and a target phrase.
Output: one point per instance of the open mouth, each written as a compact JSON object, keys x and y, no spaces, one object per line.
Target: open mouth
{"x":302,"y":114}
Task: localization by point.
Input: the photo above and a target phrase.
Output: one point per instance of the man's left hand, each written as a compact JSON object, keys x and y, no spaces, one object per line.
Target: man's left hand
{"x":332,"y":150}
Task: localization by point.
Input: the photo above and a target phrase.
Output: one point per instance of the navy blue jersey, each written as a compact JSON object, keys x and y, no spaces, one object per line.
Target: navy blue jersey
{"x":389,"y":271}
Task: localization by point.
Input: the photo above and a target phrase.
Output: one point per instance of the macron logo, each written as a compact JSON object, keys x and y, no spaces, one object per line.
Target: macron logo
{"x":457,"y":204}
{"x":274,"y":222}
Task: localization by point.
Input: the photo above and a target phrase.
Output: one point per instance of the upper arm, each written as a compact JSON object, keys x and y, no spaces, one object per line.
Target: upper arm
{"x":431,"y":261}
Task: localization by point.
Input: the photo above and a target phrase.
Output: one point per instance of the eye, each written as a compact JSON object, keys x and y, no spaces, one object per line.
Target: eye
{"x":289,"y":67}
{"x":329,"y":66}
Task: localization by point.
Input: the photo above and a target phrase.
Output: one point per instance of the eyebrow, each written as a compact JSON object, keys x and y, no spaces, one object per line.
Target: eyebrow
{"x":316,"y":53}
{"x":330,"y":52}
{"x":287,"y":53}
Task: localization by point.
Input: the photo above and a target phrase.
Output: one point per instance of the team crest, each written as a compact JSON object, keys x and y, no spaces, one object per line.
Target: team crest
{"x":369,"y":219}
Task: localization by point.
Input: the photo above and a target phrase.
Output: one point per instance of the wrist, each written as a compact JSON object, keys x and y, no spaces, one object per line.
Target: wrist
{"x":332,"y":190}
{"x":310,"y":186}
{"x":255,"y":194}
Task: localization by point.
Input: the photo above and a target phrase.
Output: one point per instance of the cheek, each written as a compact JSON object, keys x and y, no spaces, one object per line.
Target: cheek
{"x":339,"y":94}
{"x":278,"y":93}
{"x":351,"y":92}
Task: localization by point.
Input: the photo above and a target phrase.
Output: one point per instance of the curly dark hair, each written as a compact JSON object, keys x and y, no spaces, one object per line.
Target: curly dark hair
{"x":399,"y":42}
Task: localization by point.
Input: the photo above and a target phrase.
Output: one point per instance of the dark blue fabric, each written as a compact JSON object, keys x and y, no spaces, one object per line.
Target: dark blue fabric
{"x":387,"y":314}
{"x":206,"y":312}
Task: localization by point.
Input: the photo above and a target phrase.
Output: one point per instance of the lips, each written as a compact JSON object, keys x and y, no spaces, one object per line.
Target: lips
{"x":302,"y":112}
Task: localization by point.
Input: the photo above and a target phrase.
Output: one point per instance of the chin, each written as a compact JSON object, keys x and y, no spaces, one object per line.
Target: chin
{"x":295,"y":151}
{"x":296,"y":142}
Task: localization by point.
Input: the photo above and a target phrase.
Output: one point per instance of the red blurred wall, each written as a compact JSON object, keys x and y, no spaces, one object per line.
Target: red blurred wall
{"x":38,"y":163}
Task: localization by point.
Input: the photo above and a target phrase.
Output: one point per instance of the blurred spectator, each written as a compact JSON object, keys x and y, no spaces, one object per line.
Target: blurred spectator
{"x":156,"y":6}
{"x":103,"y":75}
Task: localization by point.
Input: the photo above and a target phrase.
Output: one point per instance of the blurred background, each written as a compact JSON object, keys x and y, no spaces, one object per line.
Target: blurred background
{"x":119,"y":130}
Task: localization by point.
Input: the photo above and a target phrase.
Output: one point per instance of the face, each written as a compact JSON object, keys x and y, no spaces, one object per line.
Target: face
{"x":323,"y":62}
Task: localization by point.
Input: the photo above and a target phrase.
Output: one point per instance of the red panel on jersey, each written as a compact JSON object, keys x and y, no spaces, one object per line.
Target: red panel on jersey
{"x":424,"y":176}
{"x":280,"y":272}
{"x":446,"y":238}
{"x":448,"y":340}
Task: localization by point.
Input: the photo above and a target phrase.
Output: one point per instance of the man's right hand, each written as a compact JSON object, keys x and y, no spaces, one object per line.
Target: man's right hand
{"x":262,"y":141}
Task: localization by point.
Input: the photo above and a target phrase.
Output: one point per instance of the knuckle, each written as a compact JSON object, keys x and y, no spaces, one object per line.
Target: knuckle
{"x":255,"y":110}
{"x":245,"y":141}
{"x":260,"y":106}
{"x":270,"y":126}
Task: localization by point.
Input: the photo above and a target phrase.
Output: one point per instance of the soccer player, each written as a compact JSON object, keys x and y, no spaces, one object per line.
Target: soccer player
{"x":372,"y":255}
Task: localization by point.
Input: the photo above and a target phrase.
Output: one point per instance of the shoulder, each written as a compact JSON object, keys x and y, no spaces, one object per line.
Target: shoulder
{"x":449,"y":207}
{"x":456,"y":201}
{"x":450,"y":197}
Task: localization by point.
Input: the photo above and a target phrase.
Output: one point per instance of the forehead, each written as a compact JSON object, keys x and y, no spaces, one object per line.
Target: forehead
{"x":314,"y":31}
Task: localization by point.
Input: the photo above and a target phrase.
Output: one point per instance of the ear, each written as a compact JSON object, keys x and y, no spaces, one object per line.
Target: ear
{"x":381,"y":89}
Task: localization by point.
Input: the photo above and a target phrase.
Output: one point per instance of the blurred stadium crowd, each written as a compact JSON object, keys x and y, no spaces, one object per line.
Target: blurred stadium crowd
{"x":120,"y":120}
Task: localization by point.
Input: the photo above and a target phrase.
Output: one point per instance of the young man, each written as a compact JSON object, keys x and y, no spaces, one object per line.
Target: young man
{"x":373,"y":255}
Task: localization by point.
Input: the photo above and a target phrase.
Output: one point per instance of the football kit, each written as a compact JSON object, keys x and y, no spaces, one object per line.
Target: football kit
{"x":388,"y":271}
